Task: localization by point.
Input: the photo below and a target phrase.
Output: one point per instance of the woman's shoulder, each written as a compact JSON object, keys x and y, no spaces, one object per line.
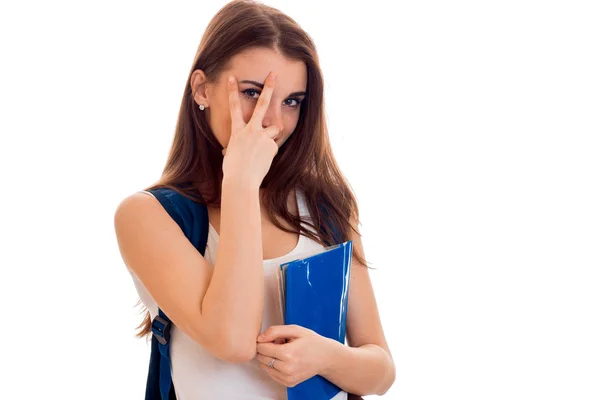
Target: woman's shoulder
{"x":151,"y":203}
{"x":136,"y":207}
{"x":176,"y":203}
{"x":151,"y":213}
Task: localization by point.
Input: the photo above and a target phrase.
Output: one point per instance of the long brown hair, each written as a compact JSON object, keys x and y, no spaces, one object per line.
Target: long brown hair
{"x":304,"y":161}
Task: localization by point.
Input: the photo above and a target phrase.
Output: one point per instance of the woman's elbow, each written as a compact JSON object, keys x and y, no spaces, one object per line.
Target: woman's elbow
{"x":389,"y":380}
{"x":242,"y":354}
{"x":233,"y":349}
{"x":236,"y":353}
{"x":226,"y":343}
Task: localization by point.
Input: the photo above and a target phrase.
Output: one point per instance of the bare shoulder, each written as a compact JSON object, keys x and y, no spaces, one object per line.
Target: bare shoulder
{"x":140,"y":208}
{"x":139,"y":201}
{"x":135,"y":213}
{"x":142,"y":226}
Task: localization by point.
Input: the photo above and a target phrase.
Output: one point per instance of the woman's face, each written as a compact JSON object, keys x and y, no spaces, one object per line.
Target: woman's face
{"x":253,"y":65}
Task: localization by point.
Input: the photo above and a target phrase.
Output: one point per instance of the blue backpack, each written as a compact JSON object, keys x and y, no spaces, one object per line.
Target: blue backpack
{"x":192,"y":218}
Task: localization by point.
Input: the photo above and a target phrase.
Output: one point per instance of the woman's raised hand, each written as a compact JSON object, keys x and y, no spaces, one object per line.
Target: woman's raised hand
{"x":251,"y":148}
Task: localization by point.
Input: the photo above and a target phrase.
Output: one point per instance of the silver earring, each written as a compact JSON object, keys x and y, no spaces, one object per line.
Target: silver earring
{"x":201,"y":107}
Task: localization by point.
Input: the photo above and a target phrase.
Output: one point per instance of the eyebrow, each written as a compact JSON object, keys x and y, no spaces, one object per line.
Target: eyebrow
{"x":260,"y":85}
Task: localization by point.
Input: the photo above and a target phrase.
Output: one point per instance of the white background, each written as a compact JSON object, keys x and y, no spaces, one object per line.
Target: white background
{"x":468,"y":130}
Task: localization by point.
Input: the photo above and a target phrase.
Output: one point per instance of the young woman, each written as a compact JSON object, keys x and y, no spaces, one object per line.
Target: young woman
{"x":251,"y":143}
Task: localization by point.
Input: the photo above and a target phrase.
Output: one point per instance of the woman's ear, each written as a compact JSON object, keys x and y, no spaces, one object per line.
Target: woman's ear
{"x":198,"y":85}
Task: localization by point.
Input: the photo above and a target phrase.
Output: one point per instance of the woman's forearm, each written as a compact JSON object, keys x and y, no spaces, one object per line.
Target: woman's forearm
{"x":234,"y":299}
{"x":364,"y":370}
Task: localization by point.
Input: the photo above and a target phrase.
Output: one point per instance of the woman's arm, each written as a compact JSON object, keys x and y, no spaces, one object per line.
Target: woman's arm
{"x":234,"y":299}
{"x":220,"y":308}
{"x":364,"y":367}
{"x":364,"y":370}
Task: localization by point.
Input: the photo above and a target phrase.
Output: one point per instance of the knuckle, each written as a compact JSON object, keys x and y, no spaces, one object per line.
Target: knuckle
{"x":285,"y":354}
{"x":290,"y":382}
{"x":288,"y":369}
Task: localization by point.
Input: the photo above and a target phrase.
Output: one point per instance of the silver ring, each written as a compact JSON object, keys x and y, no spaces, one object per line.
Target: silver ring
{"x":272,"y":363}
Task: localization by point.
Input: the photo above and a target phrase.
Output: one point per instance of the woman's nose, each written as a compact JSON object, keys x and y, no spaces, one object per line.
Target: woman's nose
{"x":273,"y":117}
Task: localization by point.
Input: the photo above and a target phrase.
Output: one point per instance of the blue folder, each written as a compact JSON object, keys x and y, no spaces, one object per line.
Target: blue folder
{"x":315,"y":296}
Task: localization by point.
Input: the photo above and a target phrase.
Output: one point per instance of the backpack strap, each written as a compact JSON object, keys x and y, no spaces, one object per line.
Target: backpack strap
{"x":192,"y":218}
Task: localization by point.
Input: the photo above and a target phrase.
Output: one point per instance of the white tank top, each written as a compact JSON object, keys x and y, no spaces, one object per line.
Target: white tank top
{"x":196,"y":373}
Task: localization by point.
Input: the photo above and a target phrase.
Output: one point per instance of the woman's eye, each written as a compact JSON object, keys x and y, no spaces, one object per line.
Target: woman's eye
{"x":248,"y":92}
{"x":251,"y":93}
{"x":295,"y":105}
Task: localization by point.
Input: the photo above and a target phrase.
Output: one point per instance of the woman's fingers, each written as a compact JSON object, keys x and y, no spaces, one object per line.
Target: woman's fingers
{"x":251,"y":149}
{"x":235,"y":107}
{"x":267,"y":360}
{"x":271,"y":131}
{"x":263,"y":101}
